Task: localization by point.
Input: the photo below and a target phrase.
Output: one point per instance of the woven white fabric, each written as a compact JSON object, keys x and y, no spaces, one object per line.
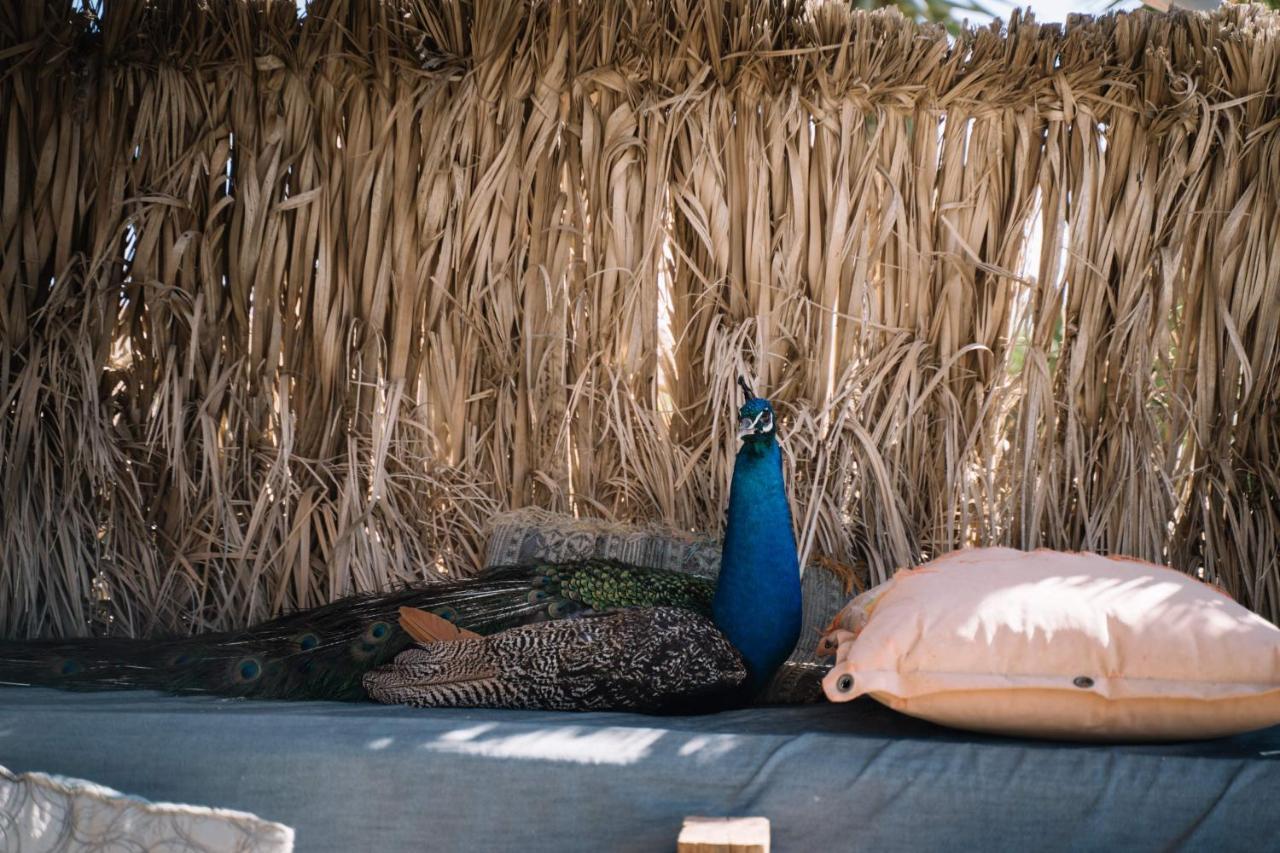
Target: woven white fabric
{"x":40,"y":813}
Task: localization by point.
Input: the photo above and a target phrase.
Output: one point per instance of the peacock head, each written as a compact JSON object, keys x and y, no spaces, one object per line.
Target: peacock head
{"x":756,"y":422}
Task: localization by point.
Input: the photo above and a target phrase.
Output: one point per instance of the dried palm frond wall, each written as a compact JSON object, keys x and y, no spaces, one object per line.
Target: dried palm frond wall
{"x":289,"y":308}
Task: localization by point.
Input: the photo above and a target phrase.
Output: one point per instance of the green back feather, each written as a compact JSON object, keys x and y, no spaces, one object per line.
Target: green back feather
{"x":600,"y":585}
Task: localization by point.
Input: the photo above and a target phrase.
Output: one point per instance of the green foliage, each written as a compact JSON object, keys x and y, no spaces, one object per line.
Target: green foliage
{"x":952,"y":14}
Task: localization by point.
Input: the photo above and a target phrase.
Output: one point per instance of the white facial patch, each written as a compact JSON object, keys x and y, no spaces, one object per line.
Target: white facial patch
{"x":760,"y":424}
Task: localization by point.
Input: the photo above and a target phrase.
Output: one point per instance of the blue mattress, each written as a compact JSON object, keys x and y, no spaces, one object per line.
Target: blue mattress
{"x":353,"y":777}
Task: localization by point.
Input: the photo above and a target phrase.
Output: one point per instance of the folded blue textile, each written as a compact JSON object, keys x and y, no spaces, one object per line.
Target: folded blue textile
{"x":368,"y":777}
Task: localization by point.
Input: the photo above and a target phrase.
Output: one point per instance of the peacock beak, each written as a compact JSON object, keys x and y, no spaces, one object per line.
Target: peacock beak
{"x":747,"y":426}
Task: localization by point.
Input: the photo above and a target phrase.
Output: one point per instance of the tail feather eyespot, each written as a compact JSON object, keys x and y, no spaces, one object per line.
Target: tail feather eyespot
{"x":560,"y":609}
{"x":246,"y":671}
{"x":306,"y":642}
{"x":67,"y":666}
{"x":377,"y":632}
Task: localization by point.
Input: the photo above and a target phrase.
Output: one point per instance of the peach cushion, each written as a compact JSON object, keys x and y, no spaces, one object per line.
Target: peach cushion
{"x":1049,"y":644}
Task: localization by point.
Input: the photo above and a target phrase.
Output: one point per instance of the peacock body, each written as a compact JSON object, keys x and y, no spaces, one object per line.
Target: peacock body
{"x":757,"y":602}
{"x":584,"y":634}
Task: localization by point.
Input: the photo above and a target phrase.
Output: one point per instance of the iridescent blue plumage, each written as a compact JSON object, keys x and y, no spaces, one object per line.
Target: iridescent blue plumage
{"x":757,"y":599}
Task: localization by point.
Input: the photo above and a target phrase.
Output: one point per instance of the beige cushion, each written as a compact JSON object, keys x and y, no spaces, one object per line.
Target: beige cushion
{"x":1049,"y":644}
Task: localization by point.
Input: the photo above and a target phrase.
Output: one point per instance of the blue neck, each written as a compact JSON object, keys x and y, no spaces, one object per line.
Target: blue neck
{"x":757,"y":600}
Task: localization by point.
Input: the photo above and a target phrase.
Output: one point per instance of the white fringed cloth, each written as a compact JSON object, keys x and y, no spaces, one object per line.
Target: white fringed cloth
{"x":40,"y":813}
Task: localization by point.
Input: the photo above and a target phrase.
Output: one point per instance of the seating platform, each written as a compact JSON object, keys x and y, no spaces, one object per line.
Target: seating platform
{"x":367,"y":777}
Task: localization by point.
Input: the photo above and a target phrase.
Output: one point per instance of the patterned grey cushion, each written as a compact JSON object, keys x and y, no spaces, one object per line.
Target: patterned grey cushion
{"x":531,"y":535}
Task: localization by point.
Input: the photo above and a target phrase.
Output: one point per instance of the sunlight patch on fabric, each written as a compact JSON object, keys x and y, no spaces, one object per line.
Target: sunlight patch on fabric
{"x":574,"y":744}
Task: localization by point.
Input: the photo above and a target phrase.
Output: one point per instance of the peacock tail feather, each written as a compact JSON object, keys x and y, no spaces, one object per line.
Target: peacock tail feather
{"x":323,"y":653}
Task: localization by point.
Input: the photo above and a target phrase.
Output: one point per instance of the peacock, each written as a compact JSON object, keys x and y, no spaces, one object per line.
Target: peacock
{"x":584,"y":634}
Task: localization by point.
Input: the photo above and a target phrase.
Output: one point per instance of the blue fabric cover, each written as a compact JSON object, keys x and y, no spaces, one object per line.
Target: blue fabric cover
{"x":367,"y":777}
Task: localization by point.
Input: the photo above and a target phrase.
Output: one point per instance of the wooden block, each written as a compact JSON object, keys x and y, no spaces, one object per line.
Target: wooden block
{"x":724,"y":835}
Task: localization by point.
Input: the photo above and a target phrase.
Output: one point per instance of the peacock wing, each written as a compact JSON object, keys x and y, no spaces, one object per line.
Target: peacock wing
{"x":648,"y":659}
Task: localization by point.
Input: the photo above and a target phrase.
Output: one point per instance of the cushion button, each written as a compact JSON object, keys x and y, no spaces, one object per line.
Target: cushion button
{"x":845,"y":683}
{"x":1083,"y":681}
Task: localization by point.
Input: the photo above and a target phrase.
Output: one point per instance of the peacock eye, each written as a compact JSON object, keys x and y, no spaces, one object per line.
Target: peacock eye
{"x":766,"y":421}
